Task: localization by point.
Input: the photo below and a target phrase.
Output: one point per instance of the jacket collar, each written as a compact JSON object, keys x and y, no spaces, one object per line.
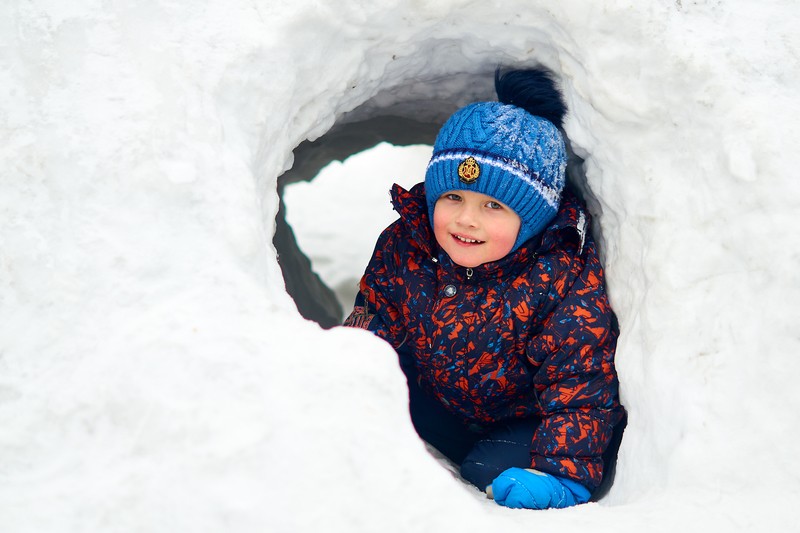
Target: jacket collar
{"x":570,"y":224}
{"x":413,"y":210}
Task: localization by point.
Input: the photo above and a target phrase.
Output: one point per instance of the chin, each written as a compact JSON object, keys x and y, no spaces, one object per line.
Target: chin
{"x":467,"y":263}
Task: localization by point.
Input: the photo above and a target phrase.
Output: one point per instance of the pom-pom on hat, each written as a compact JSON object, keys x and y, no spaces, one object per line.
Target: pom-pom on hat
{"x":510,"y":150}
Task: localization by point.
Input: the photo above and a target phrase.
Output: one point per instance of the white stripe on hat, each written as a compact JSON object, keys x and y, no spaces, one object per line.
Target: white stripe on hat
{"x":550,"y":194}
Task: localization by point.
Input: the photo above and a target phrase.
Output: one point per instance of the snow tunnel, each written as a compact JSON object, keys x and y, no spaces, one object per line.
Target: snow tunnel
{"x":400,"y":123}
{"x":157,"y":375}
{"x":643,"y":127}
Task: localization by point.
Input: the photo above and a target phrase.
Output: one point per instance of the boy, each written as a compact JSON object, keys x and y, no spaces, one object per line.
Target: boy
{"x":490,"y":290}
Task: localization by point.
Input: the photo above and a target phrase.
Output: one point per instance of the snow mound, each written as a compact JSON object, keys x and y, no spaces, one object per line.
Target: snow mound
{"x":154,"y":373}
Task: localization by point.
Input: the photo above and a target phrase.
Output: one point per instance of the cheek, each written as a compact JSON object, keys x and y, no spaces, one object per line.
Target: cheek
{"x":505,"y":242}
{"x":505,"y":234}
{"x":440,"y":219}
{"x":438,"y":226}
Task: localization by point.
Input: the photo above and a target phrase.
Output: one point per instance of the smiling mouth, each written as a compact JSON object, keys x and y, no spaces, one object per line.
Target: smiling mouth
{"x":466,"y":240}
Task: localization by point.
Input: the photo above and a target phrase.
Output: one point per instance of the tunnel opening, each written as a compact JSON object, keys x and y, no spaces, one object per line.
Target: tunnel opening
{"x":359,"y":133}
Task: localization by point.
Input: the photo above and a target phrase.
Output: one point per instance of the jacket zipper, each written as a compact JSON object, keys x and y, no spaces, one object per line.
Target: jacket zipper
{"x":469,"y":273}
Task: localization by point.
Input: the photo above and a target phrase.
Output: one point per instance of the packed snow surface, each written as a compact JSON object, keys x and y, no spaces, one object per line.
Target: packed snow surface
{"x":156,"y":376}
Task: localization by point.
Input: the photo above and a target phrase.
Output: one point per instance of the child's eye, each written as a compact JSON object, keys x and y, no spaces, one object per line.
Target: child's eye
{"x":494,"y":205}
{"x":452,"y":196}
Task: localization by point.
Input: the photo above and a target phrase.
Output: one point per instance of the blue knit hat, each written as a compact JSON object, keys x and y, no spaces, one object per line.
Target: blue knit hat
{"x":506,"y":150}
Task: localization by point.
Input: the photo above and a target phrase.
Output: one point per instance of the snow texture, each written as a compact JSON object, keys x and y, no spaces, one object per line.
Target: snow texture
{"x":154,"y":373}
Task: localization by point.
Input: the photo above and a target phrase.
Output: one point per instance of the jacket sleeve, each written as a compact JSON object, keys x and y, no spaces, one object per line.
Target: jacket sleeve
{"x":576,"y":382}
{"x":376,"y":307}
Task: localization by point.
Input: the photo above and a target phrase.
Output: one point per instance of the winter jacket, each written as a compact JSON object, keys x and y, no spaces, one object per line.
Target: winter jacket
{"x":530,"y":335}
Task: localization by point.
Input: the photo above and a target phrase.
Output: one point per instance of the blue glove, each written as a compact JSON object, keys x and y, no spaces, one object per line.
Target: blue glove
{"x":530,"y":489}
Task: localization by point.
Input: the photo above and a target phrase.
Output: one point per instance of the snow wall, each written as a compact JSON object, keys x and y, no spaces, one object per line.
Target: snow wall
{"x":156,"y":376}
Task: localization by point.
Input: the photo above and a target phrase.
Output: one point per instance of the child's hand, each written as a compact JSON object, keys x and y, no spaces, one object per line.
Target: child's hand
{"x":530,"y":489}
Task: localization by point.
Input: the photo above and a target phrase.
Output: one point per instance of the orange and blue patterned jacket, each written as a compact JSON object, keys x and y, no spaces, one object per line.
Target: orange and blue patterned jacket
{"x":529,"y":335}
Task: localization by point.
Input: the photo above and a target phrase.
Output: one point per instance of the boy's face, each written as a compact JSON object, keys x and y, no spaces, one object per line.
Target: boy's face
{"x":474,"y":228}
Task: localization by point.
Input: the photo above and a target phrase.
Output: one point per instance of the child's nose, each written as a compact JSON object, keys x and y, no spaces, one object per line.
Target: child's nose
{"x":467,"y":216}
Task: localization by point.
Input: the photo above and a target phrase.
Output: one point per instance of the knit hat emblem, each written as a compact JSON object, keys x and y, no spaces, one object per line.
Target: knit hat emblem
{"x":505,"y":152}
{"x":469,"y":170}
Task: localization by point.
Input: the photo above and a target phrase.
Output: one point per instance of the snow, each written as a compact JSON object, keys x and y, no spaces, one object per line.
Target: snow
{"x":155,"y":375}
